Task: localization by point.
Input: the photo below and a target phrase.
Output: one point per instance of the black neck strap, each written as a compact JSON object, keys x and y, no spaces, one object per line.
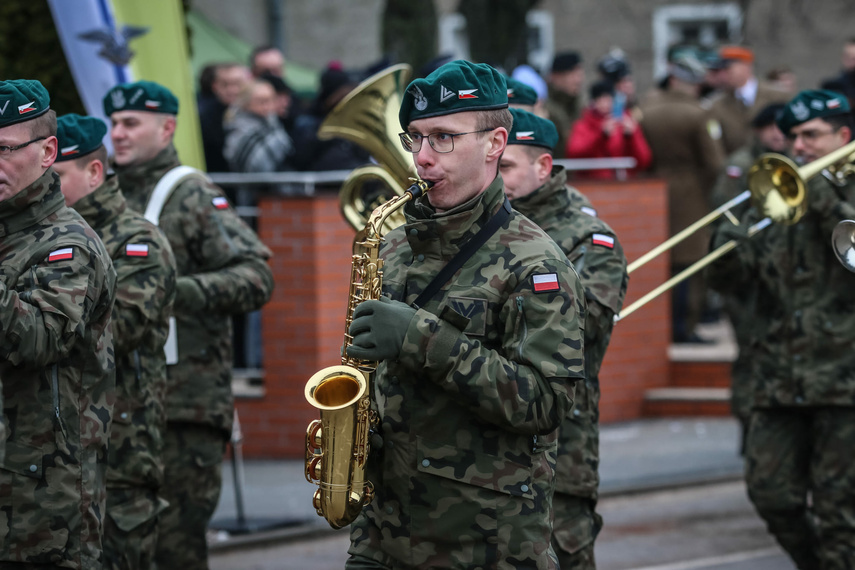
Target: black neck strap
{"x":464,"y":254}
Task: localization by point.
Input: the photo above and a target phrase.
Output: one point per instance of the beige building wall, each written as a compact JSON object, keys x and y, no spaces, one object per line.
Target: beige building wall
{"x":804,"y":34}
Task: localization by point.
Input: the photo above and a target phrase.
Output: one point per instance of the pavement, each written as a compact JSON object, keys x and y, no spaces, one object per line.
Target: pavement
{"x":635,"y":457}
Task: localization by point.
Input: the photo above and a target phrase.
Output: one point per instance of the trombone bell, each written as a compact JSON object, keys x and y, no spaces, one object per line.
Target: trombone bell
{"x":843,"y":243}
{"x":779,"y":190}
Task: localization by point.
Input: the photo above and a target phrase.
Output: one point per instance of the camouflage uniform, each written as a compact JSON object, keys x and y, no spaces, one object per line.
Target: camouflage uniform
{"x":221,"y":271}
{"x":56,"y":294}
{"x":602,"y":268}
{"x":740,"y":308}
{"x":145,"y":290}
{"x":470,"y":410}
{"x":803,"y":422}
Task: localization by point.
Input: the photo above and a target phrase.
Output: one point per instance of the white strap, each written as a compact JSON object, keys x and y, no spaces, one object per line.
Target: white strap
{"x":165,"y":186}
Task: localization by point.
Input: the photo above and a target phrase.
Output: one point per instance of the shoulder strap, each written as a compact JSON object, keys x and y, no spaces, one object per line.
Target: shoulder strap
{"x":164,"y":188}
{"x":464,"y":254}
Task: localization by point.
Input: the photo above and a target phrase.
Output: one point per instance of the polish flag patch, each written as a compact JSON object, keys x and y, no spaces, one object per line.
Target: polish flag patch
{"x":69,"y":150}
{"x":525,"y":135}
{"x":61,"y":254}
{"x":467,"y":94}
{"x":26,"y":108}
{"x":136,"y":250}
{"x":603,"y":240}
{"x":588,"y":210}
{"x":733,"y":171}
{"x":220,"y":203}
{"x":150,"y":104}
{"x":545,"y":282}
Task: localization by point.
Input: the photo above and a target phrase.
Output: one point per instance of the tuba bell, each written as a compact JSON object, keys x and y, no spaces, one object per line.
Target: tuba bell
{"x":368,"y":116}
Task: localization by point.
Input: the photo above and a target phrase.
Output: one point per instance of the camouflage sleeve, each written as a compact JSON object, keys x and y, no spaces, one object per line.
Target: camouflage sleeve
{"x":829,"y":203}
{"x":526,"y":385}
{"x":145,"y":290}
{"x":49,"y":310}
{"x":235,"y":277}
{"x":730,"y":272}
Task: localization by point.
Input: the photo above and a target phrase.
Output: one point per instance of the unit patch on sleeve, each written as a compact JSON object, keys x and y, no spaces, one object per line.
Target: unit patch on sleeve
{"x":545,"y":282}
{"x":220,"y":203}
{"x":136,"y":250}
{"x":61,"y":254}
{"x":603,"y":240}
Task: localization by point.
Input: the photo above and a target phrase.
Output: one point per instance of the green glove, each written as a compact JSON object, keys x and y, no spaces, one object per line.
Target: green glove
{"x":378,"y":329}
{"x":189,"y":296}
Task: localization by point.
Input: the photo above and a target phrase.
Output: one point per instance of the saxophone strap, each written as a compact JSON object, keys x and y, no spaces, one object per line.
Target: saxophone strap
{"x":467,"y":251}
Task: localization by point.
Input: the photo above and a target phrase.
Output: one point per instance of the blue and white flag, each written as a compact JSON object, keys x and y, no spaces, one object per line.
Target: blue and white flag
{"x":97,"y":53}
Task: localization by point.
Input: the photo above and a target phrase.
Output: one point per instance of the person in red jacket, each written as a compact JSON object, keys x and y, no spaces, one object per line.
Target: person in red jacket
{"x":606,"y":131}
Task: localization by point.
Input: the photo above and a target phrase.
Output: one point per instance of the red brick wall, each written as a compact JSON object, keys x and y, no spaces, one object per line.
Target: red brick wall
{"x":303,"y":324}
{"x":637,"y":357}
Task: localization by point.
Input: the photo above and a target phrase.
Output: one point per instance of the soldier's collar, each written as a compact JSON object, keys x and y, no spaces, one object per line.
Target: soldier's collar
{"x":32,"y":204}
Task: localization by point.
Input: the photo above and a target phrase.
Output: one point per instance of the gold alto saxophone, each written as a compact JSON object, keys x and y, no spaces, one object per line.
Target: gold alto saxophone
{"x":337,"y":445}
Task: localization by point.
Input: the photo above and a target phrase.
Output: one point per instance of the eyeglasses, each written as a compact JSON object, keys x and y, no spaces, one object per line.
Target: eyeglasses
{"x":7,"y":150}
{"x":440,"y":142}
{"x":809,"y":135}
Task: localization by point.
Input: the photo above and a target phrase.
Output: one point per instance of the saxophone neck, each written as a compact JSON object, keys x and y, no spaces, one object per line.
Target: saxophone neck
{"x":374,"y":227}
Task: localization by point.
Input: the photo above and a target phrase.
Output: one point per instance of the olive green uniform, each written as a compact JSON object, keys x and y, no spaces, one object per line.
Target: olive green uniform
{"x":469,"y":411}
{"x":144,"y":294}
{"x":222,"y":271}
{"x":592,"y":247}
{"x":563,"y":110}
{"x":735,"y":116}
{"x":58,"y":370}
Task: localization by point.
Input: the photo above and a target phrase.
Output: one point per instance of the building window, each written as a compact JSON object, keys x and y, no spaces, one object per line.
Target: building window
{"x":703,"y":25}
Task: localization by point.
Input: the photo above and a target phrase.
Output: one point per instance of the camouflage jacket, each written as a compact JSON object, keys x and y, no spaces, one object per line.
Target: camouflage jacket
{"x":56,"y":361}
{"x":222,"y":271}
{"x":145,"y":290}
{"x":469,"y":412}
{"x":595,"y":252}
{"x":802,"y":347}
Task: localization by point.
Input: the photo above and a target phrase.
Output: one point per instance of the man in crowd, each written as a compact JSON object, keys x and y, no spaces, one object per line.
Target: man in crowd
{"x":566,"y":82}
{"x":687,"y":154}
{"x":845,"y":82}
{"x":222,"y":271}
{"x":56,"y":350}
{"x":267,"y":59}
{"x":740,"y":308}
{"x":145,"y":289}
{"x":494,"y":351}
{"x":228,"y":81}
{"x":538,"y":190}
{"x":798,"y":452}
{"x":742,"y":97}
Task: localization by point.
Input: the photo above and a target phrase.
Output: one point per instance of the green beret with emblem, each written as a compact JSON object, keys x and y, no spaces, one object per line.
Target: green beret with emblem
{"x":455,"y":87}
{"x":78,"y":136}
{"x":532,"y":130}
{"x":812,"y":104}
{"x":140,"y":96}
{"x":520,"y":93}
{"x":22,"y":100}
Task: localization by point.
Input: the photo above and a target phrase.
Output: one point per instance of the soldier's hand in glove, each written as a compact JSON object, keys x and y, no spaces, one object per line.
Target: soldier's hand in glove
{"x":378,"y":329}
{"x":729,"y":231}
{"x":189,"y":296}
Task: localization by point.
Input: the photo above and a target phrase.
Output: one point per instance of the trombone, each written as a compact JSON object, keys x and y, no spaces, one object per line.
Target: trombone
{"x":778,"y":188}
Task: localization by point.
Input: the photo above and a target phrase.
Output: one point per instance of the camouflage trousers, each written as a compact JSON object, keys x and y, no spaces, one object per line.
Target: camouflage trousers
{"x":130,"y":530}
{"x":801,"y":478}
{"x":192,"y":458}
{"x":574,"y":530}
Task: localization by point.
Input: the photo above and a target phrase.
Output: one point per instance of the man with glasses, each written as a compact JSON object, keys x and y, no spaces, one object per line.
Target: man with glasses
{"x":56,"y":350}
{"x":799,"y":465}
{"x":479,"y":350}
{"x":539,"y":190}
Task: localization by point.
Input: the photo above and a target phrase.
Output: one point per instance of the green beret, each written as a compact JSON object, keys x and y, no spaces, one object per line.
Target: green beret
{"x":532,"y":130}
{"x":455,"y":87}
{"x":520,"y":93}
{"x":812,"y":104}
{"x":140,"y":96}
{"x":78,"y":136}
{"x":22,"y":100}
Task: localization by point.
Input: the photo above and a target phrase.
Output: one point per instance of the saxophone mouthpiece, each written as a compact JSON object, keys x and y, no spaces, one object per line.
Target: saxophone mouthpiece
{"x":419,"y":187}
